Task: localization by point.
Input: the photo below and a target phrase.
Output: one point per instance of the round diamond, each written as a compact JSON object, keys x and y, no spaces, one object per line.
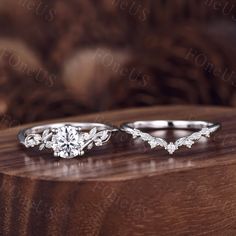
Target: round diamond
{"x":206,"y":132}
{"x":189,"y":143}
{"x":67,"y":142}
{"x":153,"y":143}
{"x":171,"y":148}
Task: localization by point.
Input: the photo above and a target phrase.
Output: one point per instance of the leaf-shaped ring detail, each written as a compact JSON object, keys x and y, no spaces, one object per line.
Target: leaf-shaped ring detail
{"x":204,"y":129}
{"x":67,"y":140}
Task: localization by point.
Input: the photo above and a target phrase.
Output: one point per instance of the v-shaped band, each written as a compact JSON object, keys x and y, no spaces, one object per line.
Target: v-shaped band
{"x":205,"y":129}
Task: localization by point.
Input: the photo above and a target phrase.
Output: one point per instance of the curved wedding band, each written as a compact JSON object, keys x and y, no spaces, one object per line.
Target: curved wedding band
{"x":67,"y":140}
{"x":204,"y":130}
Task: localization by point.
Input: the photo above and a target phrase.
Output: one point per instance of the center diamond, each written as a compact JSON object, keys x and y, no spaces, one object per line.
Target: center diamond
{"x":67,"y":142}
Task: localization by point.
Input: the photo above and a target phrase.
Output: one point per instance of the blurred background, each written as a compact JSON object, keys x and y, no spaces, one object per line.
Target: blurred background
{"x":62,"y":58}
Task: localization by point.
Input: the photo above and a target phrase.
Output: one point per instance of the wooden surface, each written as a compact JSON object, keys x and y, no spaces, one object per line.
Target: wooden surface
{"x":124,"y":188}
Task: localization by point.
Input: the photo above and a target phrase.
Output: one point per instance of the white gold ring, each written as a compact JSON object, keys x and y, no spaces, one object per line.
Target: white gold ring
{"x":202,"y":129}
{"x":67,"y":140}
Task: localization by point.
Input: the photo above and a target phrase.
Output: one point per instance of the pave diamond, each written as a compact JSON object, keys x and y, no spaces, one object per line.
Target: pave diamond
{"x":171,"y":147}
{"x":153,"y":143}
{"x":67,"y":142}
{"x":206,"y":132}
{"x":189,"y":143}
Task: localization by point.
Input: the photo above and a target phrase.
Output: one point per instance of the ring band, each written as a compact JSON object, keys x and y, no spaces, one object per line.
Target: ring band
{"x":67,"y":140}
{"x":204,"y":130}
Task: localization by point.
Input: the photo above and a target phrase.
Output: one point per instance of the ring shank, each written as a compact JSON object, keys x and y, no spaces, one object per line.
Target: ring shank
{"x":169,"y":124}
{"x":85,"y":126}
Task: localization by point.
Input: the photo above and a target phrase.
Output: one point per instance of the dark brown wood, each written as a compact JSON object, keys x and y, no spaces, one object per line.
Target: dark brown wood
{"x":123,"y":189}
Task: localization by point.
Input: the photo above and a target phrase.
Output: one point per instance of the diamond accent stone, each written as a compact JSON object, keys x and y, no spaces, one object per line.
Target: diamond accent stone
{"x":188,"y":143}
{"x":172,"y":146}
{"x":206,"y":132}
{"x":152,"y":143}
{"x":67,"y":141}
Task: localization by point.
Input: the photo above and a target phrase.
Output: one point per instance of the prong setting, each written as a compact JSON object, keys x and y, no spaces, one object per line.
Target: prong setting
{"x":171,"y":147}
{"x":67,"y":141}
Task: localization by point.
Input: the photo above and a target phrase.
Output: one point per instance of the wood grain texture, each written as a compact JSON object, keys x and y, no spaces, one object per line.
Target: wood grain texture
{"x":124,"y":188}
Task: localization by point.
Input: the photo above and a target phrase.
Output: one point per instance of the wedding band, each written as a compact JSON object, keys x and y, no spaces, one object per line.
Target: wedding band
{"x":205,"y":129}
{"x":67,"y":140}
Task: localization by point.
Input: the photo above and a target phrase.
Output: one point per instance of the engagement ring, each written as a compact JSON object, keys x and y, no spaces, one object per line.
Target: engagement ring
{"x":67,"y":140}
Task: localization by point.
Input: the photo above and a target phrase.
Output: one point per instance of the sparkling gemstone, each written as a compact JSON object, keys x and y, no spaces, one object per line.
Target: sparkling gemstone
{"x":196,"y":136}
{"x":67,"y":142}
{"x":206,"y":132}
{"x":171,"y":148}
{"x":152,"y":143}
{"x":189,"y":143}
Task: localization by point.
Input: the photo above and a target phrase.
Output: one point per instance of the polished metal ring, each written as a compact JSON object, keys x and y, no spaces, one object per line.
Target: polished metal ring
{"x":67,"y":140}
{"x":202,"y":129}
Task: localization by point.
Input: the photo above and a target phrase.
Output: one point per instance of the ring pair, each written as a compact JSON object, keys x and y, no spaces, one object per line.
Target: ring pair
{"x":68,"y":140}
